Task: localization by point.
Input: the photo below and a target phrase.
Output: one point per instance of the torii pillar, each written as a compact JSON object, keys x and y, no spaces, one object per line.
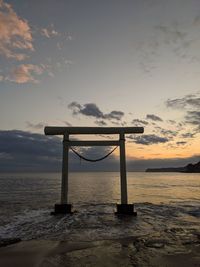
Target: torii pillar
{"x":64,"y":207}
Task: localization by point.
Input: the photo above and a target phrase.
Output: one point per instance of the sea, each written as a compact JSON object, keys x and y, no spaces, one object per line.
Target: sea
{"x":167,"y":205}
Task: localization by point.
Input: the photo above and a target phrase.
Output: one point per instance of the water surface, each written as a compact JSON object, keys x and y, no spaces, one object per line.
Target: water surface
{"x":168,"y":206}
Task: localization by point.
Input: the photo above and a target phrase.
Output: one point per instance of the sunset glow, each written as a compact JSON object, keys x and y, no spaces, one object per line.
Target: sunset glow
{"x":141,"y":69}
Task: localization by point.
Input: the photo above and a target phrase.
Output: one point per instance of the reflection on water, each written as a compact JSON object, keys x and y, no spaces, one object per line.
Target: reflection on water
{"x":142,"y":187}
{"x":29,"y":191}
{"x":96,"y":187}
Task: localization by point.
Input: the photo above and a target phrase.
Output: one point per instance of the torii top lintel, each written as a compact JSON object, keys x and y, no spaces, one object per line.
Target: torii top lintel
{"x":54,"y":130}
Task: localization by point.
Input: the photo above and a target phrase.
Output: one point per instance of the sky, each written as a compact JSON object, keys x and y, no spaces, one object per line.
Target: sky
{"x":99,"y":63}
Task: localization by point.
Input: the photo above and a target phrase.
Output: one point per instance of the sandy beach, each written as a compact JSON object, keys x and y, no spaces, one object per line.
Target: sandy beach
{"x":123,"y":252}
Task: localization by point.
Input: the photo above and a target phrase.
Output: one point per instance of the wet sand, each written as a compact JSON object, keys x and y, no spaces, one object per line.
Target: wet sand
{"x":122,"y":252}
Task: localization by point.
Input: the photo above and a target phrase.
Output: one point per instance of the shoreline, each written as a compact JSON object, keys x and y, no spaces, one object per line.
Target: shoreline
{"x":116,"y":252}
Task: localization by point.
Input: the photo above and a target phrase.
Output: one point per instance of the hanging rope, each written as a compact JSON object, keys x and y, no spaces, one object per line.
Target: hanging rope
{"x":92,"y":160}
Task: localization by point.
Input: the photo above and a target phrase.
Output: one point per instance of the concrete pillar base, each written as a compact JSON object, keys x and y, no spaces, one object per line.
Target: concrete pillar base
{"x":62,"y":209}
{"x":125,"y":209}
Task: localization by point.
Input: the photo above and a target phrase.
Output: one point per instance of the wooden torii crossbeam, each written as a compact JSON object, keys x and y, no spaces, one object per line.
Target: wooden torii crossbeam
{"x":64,"y":206}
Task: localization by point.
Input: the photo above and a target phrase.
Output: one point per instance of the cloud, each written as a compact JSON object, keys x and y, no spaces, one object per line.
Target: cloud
{"x":75,"y":107}
{"x":148,"y":139}
{"x":153,"y":117}
{"x":181,"y":143}
{"x":187,"y":135}
{"x":24,"y":151}
{"x":190,"y":104}
{"x":37,"y":126}
{"x":168,"y":133}
{"x":197,"y":130}
{"x":42,"y":125}
{"x":173,"y":38}
{"x":171,"y":34}
{"x":92,"y":110}
{"x":49,"y":32}
{"x":25,"y":73}
{"x":138,"y":122}
{"x":179,"y":40}
{"x":115,"y":115}
{"x":193,"y":117}
{"x":101,"y":122}
{"x":15,"y":33}
{"x":171,"y":121}
{"x":188,"y":101}
{"x":22,"y":142}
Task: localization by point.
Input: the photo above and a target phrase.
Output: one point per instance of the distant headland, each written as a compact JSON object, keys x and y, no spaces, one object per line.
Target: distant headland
{"x":190,"y":168}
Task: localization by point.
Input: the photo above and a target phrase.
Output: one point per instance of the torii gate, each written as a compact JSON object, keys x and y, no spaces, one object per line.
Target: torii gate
{"x":64,"y":206}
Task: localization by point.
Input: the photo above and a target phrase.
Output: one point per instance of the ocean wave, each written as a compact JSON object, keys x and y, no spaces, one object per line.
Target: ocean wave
{"x":93,"y":222}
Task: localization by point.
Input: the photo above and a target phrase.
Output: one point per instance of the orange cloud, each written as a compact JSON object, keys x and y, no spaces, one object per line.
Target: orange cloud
{"x":25,"y":73}
{"x":15,"y":33}
{"x":48,"y":33}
